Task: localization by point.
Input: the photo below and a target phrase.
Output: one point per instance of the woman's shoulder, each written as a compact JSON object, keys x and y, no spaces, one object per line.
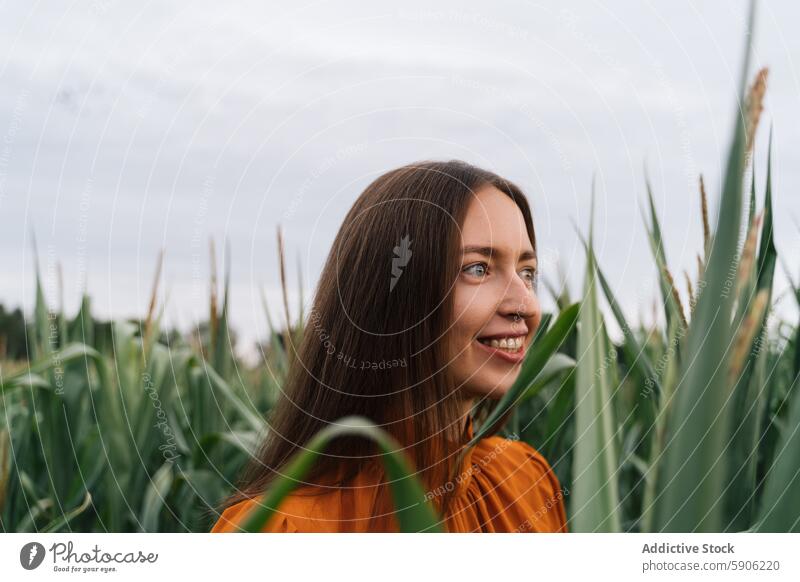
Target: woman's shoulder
{"x":513,"y":472}
{"x":503,"y":455}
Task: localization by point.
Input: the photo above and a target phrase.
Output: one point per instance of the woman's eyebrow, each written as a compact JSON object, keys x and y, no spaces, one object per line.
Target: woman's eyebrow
{"x":488,"y":251}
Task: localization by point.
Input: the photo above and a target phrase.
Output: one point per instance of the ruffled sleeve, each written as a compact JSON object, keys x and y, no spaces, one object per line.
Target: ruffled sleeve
{"x":507,"y":486}
{"x":552,"y":490}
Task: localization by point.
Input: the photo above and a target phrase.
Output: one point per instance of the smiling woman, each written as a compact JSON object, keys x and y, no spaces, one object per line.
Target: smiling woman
{"x":434,"y":265}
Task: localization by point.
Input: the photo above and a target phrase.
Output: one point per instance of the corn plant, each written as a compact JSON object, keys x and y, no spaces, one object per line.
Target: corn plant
{"x":694,"y":438}
{"x":112,"y":429}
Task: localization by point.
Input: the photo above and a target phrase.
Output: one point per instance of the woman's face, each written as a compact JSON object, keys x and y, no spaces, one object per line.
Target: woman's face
{"x":496,"y":309}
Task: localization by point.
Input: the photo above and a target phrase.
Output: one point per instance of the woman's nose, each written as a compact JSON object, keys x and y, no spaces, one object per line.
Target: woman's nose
{"x":519,"y":299}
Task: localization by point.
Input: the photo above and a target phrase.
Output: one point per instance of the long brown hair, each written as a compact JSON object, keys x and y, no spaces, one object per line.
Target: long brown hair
{"x":376,"y":340}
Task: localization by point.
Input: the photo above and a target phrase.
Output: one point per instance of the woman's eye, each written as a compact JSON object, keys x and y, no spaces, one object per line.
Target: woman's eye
{"x":530,"y":276}
{"x":478,"y":269}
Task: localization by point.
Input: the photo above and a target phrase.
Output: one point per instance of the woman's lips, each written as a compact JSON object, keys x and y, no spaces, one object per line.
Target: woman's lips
{"x":514,"y":358}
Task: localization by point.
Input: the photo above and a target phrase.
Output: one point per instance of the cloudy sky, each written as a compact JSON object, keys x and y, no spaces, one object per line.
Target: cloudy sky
{"x":127,"y":127}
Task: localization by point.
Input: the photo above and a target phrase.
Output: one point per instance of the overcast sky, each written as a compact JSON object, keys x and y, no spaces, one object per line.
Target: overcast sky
{"x":127,"y":127}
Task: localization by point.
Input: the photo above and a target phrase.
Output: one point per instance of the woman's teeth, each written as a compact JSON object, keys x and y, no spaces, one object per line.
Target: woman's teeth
{"x":509,"y":344}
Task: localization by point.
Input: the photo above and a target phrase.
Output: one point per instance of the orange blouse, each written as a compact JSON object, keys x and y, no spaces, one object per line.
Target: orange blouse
{"x":507,"y":487}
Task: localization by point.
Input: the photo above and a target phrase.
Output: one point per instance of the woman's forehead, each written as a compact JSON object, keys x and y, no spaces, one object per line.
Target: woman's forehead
{"x":494,"y":220}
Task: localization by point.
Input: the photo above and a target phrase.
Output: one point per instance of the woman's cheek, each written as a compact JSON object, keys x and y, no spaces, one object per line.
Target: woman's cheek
{"x":468,"y":308}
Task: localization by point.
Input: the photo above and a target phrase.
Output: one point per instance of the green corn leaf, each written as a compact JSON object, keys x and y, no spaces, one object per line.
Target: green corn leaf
{"x":58,"y":357}
{"x":780,"y":503}
{"x":767,"y":254}
{"x":246,"y":441}
{"x":155,"y":498}
{"x":59,"y":523}
{"x":552,"y":370}
{"x":558,"y":419}
{"x":672,"y":310}
{"x":25,"y":380}
{"x":41,"y":344}
{"x":221,"y":387}
{"x":205,"y":486}
{"x":595,"y":496}
{"x":665,"y":402}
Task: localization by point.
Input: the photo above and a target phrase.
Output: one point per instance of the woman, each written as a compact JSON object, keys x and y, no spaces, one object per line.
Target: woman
{"x":425,"y":308}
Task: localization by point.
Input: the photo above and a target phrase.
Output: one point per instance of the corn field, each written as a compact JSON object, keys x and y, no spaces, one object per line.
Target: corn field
{"x":689,"y":427}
